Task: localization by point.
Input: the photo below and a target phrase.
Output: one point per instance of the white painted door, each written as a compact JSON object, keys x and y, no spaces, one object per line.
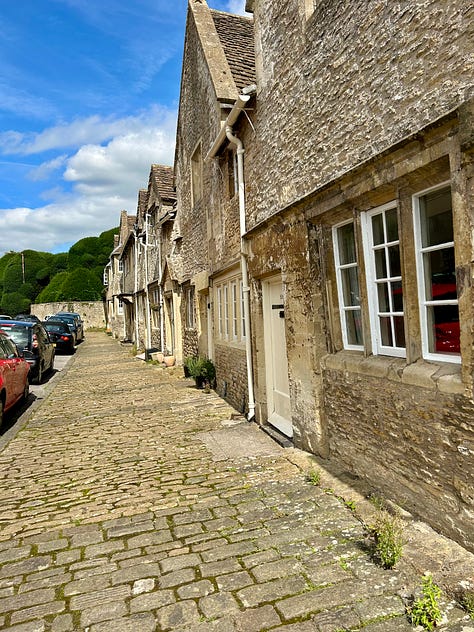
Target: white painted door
{"x":278,"y":392}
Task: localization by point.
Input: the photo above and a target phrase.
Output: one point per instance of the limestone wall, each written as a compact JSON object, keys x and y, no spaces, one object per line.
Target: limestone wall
{"x":355,"y":78}
{"x":231,"y":370}
{"x":92,"y":313}
{"x":408,"y":432}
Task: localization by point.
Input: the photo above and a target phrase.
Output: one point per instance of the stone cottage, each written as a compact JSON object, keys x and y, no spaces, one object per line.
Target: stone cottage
{"x":218,"y":63}
{"x":115,"y":298}
{"x":359,"y":211}
{"x":160,"y":235}
{"x":320,"y":250}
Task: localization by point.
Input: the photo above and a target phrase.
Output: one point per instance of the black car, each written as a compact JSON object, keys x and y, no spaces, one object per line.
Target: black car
{"x":61,"y":335}
{"x":34,"y":344}
{"x":28,"y":318}
{"x":74,"y":321}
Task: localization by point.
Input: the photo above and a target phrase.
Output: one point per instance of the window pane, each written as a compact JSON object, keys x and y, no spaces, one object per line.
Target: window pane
{"x":436,"y":218}
{"x":382,"y":291}
{"x":394,"y":261}
{"x":354,"y":327}
{"x":350,"y":286}
{"x":397,"y":296}
{"x":399,"y":327}
{"x":386,"y":331}
{"x":440,"y":277}
{"x":392,"y":224}
{"x":444,"y":328}
{"x":346,"y":244}
{"x":377,"y":229}
{"x":380,"y":264}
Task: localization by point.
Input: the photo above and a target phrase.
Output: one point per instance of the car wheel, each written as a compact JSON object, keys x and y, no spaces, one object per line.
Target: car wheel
{"x":1,"y":411}
{"x":26,"y":391}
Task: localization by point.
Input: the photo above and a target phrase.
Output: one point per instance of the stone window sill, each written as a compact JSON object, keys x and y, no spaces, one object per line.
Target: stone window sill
{"x":444,"y":377}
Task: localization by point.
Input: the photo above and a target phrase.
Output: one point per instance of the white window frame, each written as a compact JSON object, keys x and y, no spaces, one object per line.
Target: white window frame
{"x":120,"y":265}
{"x":229,"y":315}
{"x":226,"y":310}
{"x":243,"y":327}
{"x":367,"y":237}
{"x":343,"y":309}
{"x":234,"y":310}
{"x":220,"y":312}
{"x":420,"y":268}
{"x":119,"y":307}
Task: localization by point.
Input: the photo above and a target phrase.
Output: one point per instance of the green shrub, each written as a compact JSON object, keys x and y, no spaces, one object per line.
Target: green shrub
{"x":201,"y":369}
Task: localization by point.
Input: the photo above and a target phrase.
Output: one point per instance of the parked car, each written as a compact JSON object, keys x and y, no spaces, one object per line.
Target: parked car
{"x":75,"y":323}
{"x":28,"y":318}
{"x":5,"y":317}
{"x":14,"y":369}
{"x":33,"y":343}
{"x":61,"y":335}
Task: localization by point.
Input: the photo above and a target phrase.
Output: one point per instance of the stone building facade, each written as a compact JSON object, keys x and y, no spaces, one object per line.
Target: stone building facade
{"x":320,"y":249}
{"x":136,"y":276}
{"x":118,"y":304}
{"x":359,"y":217}
{"x":218,"y":63}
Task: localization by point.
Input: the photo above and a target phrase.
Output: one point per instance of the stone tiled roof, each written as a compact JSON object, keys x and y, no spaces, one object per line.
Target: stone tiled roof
{"x":163,"y":181}
{"x":141,"y":207}
{"x":236,"y":36}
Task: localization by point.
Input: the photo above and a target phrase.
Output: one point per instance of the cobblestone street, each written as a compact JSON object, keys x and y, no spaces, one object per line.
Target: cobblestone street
{"x":130,"y":500}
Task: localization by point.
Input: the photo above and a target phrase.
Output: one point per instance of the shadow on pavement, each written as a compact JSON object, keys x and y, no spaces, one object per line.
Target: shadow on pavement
{"x":11,"y":417}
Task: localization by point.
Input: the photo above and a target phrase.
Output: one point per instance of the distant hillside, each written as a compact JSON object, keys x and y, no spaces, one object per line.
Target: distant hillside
{"x":41,"y":277}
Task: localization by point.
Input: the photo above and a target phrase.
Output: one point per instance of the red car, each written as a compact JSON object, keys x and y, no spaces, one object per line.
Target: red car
{"x":14,"y":369}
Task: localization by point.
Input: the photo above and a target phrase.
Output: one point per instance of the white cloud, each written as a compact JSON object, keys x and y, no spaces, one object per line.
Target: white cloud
{"x":237,"y":7}
{"x":93,"y":129}
{"x":105,"y":179}
{"x":46,"y":168}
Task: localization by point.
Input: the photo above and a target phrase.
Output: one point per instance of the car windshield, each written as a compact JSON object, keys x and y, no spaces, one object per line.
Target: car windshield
{"x":19,"y":334}
{"x":56,"y":327}
{"x":68,"y":319}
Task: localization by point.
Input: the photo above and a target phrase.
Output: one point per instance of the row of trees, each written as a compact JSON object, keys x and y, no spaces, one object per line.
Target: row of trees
{"x":42,"y":277}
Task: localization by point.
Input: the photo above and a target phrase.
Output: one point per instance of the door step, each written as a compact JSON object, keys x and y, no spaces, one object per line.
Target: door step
{"x":277,"y":436}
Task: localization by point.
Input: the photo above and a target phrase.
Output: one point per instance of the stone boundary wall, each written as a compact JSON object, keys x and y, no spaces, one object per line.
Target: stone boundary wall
{"x":92,"y":312}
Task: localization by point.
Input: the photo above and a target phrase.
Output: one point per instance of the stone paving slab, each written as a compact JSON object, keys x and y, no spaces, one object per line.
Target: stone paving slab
{"x":132,"y":501}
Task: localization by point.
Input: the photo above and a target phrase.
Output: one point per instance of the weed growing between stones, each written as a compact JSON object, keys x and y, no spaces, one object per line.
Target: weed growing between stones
{"x":426,"y":610}
{"x":388,"y":538}
{"x":465,"y":597}
{"x":377,"y":501}
{"x":350,"y":504}
{"x":314,"y":477}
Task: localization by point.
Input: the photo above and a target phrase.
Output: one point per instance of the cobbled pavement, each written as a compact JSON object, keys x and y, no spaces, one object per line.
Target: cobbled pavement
{"x":130,"y":500}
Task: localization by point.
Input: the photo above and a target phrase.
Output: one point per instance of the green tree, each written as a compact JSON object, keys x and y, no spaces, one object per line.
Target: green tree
{"x":52,"y":292}
{"x":13,"y":303}
{"x":32,"y":275}
{"x":81,"y":285}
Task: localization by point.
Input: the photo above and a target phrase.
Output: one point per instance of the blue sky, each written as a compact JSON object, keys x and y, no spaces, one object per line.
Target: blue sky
{"x":89,"y":92}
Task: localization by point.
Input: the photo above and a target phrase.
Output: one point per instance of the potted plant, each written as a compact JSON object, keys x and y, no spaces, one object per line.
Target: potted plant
{"x":202,"y":370}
